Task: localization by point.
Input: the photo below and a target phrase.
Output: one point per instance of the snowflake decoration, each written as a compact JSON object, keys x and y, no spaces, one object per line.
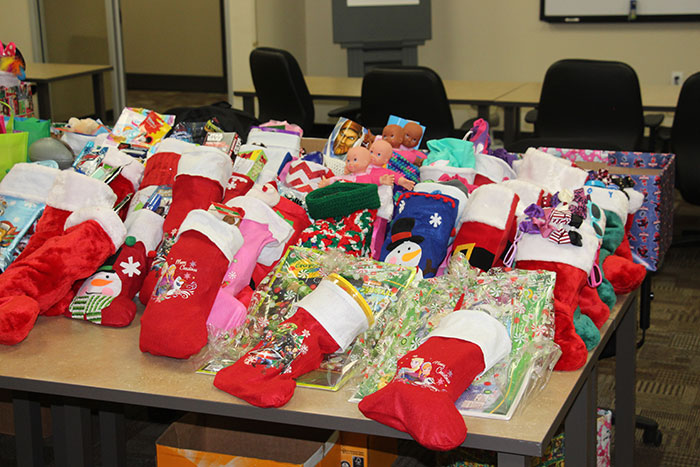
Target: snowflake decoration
{"x":187,"y":275}
{"x":232,"y":184}
{"x":435,"y":220}
{"x":303,"y":349}
{"x":231,"y":275}
{"x":305,"y":333}
{"x":402,"y":205}
{"x":193,"y":264}
{"x":130,"y":267}
{"x":29,"y":204}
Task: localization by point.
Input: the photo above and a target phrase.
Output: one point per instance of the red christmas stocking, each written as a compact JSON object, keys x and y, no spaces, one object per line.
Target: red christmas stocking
{"x":592,"y":306}
{"x":127,"y":182}
{"x":327,"y":319}
{"x":34,"y":284}
{"x":70,"y":192}
{"x":572,"y":265}
{"x":106,"y":297}
{"x":174,"y":321}
{"x":238,"y":185}
{"x":420,"y":400}
{"x":488,"y":221}
{"x":201,"y":177}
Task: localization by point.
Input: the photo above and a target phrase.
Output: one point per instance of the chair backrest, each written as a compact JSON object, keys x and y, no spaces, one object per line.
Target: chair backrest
{"x":411,"y":92}
{"x":685,"y":139}
{"x":280,"y":87}
{"x":591,"y":99}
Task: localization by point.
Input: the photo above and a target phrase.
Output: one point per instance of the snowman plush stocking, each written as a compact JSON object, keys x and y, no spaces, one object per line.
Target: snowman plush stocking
{"x":420,"y":231}
{"x":106,"y":297}
{"x":326,"y":320}
{"x":488,"y":223}
{"x":71,"y":191}
{"x":420,"y":400}
{"x":32,"y":285}
{"x":174,"y":321}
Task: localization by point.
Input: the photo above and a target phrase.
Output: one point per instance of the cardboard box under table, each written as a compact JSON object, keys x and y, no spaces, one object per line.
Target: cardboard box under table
{"x":205,"y":440}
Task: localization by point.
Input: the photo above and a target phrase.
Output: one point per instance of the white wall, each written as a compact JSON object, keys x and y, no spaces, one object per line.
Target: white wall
{"x":504,"y":40}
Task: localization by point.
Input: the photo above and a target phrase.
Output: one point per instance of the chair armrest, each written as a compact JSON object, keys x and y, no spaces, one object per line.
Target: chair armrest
{"x":351,"y":111}
{"x":531,"y":116}
{"x":653,"y":120}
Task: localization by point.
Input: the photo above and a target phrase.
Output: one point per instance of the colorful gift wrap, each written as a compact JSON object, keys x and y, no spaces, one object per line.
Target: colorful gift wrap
{"x":654,"y":176}
{"x":297,"y":274}
{"x":652,"y":227}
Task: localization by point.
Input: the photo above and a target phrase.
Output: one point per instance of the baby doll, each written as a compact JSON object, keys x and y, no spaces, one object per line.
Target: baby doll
{"x":356,"y":164}
{"x":412,"y":135}
{"x":380,"y":152}
{"x":394,"y":134}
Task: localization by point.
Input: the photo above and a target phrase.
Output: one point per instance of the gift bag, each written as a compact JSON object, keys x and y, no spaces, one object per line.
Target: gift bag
{"x":18,"y":98}
{"x":35,"y":128}
{"x":13,"y":147}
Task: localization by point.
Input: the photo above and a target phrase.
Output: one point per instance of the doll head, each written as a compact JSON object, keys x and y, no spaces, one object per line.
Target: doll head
{"x":357,"y":160}
{"x":412,"y":134}
{"x":381,"y":152}
{"x":393,"y":134}
{"x":347,"y":136}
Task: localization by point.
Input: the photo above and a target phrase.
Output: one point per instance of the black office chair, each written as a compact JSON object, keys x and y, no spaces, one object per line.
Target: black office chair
{"x":411,"y":92}
{"x":685,"y":144}
{"x":281,"y":89}
{"x":588,"y":104}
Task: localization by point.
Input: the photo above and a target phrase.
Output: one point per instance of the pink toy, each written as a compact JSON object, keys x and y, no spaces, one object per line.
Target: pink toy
{"x":356,"y":163}
{"x":380,"y":152}
{"x":228,"y":313}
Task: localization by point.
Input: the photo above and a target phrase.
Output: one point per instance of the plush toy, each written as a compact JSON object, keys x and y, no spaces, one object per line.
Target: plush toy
{"x":86,"y":126}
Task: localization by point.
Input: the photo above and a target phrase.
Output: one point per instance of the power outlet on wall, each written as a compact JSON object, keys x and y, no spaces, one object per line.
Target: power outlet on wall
{"x":676,"y":78}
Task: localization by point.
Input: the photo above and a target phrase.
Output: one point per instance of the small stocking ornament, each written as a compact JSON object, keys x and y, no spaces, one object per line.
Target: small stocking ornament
{"x":35,"y":283}
{"x":420,"y":400}
{"x":174,"y":321}
{"x":325,"y":321}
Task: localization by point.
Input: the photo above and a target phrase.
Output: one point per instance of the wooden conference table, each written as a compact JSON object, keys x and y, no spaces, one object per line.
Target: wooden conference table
{"x":78,"y":366}
{"x":511,"y":95}
{"x":43,"y":74}
{"x":479,"y":93}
